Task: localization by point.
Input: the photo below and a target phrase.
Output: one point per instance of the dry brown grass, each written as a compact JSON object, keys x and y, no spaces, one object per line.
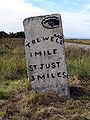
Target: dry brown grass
{"x":86,"y":42}
{"x":29,"y":105}
{"x":12,"y":42}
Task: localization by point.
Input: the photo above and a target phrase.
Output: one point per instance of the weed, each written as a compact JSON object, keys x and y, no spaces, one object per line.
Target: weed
{"x":13,"y":65}
{"x":78,"y":63}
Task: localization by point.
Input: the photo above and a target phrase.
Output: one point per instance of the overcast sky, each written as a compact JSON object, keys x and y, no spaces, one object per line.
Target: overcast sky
{"x":75,"y":14}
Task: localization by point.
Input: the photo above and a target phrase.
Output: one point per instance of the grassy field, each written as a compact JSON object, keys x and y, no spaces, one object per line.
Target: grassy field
{"x":79,"y":41}
{"x":18,"y":103}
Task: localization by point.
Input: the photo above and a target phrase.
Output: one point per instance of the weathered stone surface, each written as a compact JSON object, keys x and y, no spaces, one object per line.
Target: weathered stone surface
{"x":45,"y":55}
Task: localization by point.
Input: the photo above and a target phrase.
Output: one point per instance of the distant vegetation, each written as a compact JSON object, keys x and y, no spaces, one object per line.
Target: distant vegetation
{"x":21,"y":34}
{"x":78,"y":41}
{"x":12,"y":35}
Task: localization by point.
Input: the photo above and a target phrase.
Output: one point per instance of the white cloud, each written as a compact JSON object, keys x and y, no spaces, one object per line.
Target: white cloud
{"x":12,"y":13}
{"x":40,"y":0}
{"x":76,"y":24}
{"x":87,"y":6}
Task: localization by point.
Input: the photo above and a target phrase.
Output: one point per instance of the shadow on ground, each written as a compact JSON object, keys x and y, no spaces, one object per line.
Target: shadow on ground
{"x":77,"y":92}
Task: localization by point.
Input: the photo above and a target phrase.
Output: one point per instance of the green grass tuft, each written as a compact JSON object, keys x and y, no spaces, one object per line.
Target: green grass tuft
{"x":13,"y":65}
{"x":78,"y":63}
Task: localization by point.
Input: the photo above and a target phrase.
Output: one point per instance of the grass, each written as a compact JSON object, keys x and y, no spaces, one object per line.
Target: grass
{"x":79,"y":41}
{"x":12,"y":62}
{"x":78,"y":63}
{"x":18,"y":103}
{"x":7,"y":88}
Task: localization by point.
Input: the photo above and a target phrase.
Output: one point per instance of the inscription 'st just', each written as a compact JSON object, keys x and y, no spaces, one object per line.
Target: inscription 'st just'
{"x":45,"y":55}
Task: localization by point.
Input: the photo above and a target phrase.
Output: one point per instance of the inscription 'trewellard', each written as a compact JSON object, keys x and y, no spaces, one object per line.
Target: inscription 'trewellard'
{"x":55,"y":38}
